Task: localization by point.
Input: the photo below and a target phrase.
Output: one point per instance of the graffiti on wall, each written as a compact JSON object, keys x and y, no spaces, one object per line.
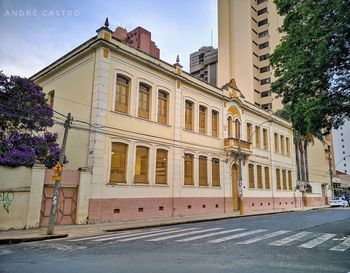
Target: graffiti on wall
{"x":6,"y":198}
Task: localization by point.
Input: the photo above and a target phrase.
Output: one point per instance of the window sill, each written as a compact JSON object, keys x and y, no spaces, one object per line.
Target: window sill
{"x":110,"y":183}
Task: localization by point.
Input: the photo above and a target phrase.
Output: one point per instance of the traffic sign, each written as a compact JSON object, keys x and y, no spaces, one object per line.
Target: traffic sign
{"x":57,"y":169}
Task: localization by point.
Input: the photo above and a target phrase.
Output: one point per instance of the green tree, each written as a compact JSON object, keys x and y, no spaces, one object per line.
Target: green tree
{"x":312,"y":62}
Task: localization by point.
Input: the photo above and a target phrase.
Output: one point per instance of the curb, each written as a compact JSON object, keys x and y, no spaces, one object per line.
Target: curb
{"x":204,"y":220}
{"x":10,"y":241}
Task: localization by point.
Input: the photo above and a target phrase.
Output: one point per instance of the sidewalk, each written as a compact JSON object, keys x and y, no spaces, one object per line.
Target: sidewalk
{"x":38,"y":234}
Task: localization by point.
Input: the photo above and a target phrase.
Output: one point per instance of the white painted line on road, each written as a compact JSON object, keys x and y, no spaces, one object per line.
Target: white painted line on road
{"x":155,"y":234}
{"x":263,"y":237}
{"x":182,"y":234}
{"x":319,"y":240}
{"x":209,"y":235}
{"x":102,"y":236}
{"x":239,"y":235}
{"x":132,"y":234}
{"x":342,"y":246}
{"x":290,"y":238}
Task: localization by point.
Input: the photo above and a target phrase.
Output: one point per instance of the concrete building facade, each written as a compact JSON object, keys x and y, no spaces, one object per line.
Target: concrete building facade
{"x":203,"y":64}
{"x":153,"y":141}
{"x":341,"y":138}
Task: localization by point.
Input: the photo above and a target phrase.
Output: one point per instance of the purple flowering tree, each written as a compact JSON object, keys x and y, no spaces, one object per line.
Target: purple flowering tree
{"x":24,"y":119}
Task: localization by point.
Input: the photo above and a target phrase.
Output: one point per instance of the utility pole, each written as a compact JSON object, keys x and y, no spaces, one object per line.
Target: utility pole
{"x":57,"y":178}
{"x":330,"y":169}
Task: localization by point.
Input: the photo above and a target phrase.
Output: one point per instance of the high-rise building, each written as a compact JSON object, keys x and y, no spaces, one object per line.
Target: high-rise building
{"x":203,"y":64}
{"x":139,"y":38}
{"x":247,"y":36}
{"x":341,"y":138}
{"x":247,"y":32}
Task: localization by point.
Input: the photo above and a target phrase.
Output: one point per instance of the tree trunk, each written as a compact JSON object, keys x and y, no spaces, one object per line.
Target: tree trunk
{"x":302,"y":164}
{"x":297,"y":158}
{"x":306,"y":162}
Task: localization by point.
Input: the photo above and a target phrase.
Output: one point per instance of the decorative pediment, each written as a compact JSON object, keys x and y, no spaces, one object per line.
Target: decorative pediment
{"x":232,"y":89}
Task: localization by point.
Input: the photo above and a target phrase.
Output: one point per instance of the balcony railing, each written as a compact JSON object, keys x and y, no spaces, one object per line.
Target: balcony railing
{"x":231,"y":145}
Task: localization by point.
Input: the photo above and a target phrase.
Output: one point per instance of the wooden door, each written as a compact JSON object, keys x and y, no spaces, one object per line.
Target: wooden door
{"x":235,"y":193}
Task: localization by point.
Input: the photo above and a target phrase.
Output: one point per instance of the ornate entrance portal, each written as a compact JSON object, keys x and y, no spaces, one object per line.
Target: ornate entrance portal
{"x":235,"y":193}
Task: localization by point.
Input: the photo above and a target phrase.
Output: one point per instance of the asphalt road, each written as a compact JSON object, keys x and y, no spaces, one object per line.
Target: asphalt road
{"x":313,"y":241}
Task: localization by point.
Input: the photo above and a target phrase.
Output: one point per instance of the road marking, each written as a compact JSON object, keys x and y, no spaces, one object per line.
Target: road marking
{"x":342,"y":246}
{"x":101,"y":236}
{"x":290,"y":238}
{"x":208,"y":235}
{"x":155,"y":234}
{"x":182,"y":234}
{"x":263,"y":237}
{"x":239,"y":235}
{"x":133,"y":234}
{"x":317,"y":241}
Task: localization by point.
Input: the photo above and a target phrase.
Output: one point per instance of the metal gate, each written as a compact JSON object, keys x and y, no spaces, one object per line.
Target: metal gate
{"x":67,"y":201}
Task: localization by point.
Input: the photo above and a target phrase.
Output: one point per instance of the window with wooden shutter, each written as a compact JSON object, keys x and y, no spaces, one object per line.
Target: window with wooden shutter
{"x":122,"y":94}
{"x":203,"y":171}
{"x":284,"y":177}
{"x":290,"y":181}
{"x":287,"y":146}
{"x":189,"y":115}
{"x":162,"y":166}
{"x":249,"y":132}
{"x":202,"y":119}
{"x":265,"y":139}
{"x":251,"y":176}
{"x":278,"y":179}
{"x":163,"y":107}
{"x":141,"y":164}
{"x":144,"y":101}
{"x":282,"y":145}
{"x":276,"y":143}
{"x":189,"y":169}
{"x":237,"y":129}
{"x":51,"y":98}
{"x":257,"y":136}
{"x":118,"y":162}
{"x":215,"y":172}
{"x":267,"y":178}
{"x":214,"y":123}
{"x":259,"y":176}
{"x":229,"y":127}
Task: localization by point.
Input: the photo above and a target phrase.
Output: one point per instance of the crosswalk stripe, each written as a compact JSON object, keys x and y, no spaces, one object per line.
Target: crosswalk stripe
{"x":208,"y":235}
{"x":132,"y":234}
{"x":154,"y":234}
{"x":317,"y":241}
{"x":290,"y":238}
{"x":101,"y":236}
{"x":263,"y":237}
{"x":239,"y":235}
{"x":182,"y":234}
{"x":342,"y":246}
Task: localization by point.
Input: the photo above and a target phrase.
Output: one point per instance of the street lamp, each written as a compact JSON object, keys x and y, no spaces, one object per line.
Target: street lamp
{"x":240,"y":182}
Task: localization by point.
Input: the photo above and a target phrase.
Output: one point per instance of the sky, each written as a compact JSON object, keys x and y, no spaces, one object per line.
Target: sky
{"x":35,"y":33}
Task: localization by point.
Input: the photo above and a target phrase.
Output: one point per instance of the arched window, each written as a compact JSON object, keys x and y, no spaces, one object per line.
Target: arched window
{"x":163,"y":107}
{"x":119,"y":157}
{"x":122,"y":94}
{"x":188,"y":169}
{"x":215,"y":172}
{"x":229,"y":127}
{"x":189,"y":115}
{"x":203,"y":171}
{"x":141,"y":164}
{"x":162,"y":166}
{"x":214,"y":123}
{"x":202,"y":119}
{"x":237,"y":129}
{"x":144,"y":100}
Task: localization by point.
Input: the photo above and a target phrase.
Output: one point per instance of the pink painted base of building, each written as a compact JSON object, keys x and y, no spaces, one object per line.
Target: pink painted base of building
{"x":123,"y":209}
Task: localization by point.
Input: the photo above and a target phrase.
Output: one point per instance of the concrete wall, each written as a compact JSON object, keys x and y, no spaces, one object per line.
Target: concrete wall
{"x":20,"y":197}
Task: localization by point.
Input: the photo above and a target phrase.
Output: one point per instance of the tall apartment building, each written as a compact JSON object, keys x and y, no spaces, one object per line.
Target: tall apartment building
{"x":203,"y":64}
{"x":139,"y":38}
{"x":247,"y":36}
{"x":341,"y":138}
{"x":247,"y":31}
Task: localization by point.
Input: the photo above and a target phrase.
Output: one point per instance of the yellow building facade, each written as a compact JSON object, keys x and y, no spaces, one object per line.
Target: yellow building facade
{"x":154,"y":141}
